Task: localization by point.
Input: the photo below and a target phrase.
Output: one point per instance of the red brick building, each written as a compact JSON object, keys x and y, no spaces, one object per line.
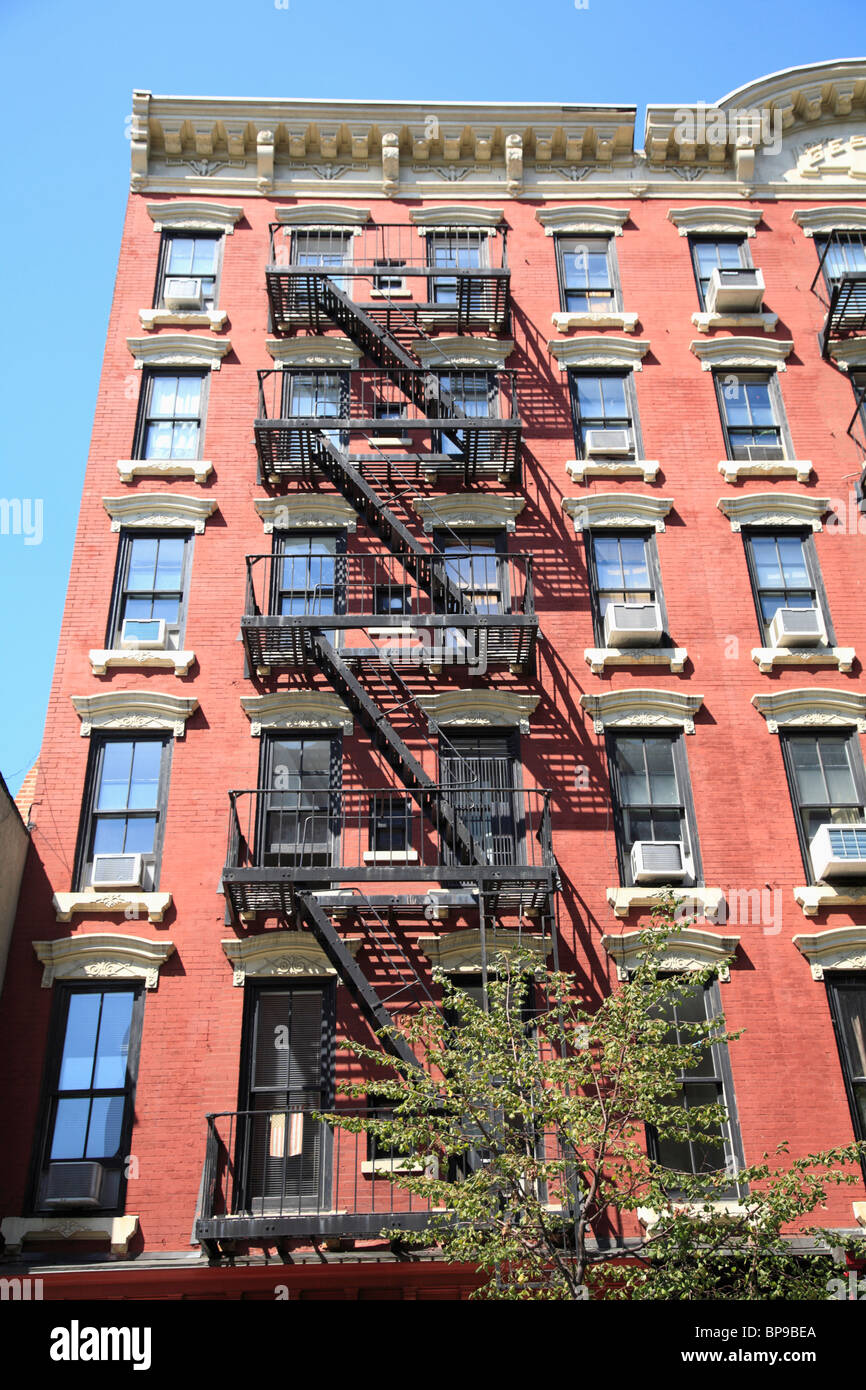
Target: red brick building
{"x":569,"y":654}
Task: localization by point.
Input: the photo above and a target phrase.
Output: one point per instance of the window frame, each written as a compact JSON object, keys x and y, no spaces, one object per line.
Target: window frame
{"x":822,"y":239}
{"x":653,"y":567}
{"x":721,"y":375}
{"x":710,"y":239}
{"x":334,"y":791}
{"x":627,"y":376}
{"x":676,"y":738}
{"x":149,"y":376}
{"x":836,"y":981}
{"x":87,"y":818}
{"x":567,"y":243}
{"x":858,"y":772}
{"x":162,"y":272}
{"x":119,"y":591}
{"x":813,"y":569}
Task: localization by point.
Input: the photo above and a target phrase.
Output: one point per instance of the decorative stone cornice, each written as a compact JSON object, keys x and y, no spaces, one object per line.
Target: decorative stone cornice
{"x":742,"y":352}
{"x":491,"y":708}
{"x":839,"y":948}
{"x":296,"y":709}
{"x":461,"y":950}
{"x":849,"y":354}
{"x":307,"y":509}
{"x":734,"y":469}
{"x":774,"y":509}
{"x":690,"y":949}
{"x":102,"y":956}
{"x":469,"y":509}
{"x":639,"y":707}
{"x":597,"y":658}
{"x":599,"y":351}
{"x":134,"y":709}
{"x":146,"y":510}
{"x":609,"y":318}
{"x":463,"y":352}
{"x":314,"y":351}
{"x":702,"y":903}
{"x":812,"y":707}
{"x":707,"y":323}
{"x":615,"y":509}
{"x":199,"y":469}
{"x":455,"y":215}
{"x":581,"y":469}
{"x":583,"y":218}
{"x":279,"y":953}
{"x":768,"y":658}
{"x":179,"y":350}
{"x":183,"y":318}
{"x":322,"y":215}
{"x":117,"y":1230}
{"x":842,"y":218}
{"x":194,"y":217}
{"x":827,"y":897}
{"x":126,"y":658}
{"x":710,"y":218}
{"x":89,"y":902}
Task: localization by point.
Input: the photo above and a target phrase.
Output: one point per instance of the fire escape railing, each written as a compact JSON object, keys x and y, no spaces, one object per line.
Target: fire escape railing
{"x":846,"y":307}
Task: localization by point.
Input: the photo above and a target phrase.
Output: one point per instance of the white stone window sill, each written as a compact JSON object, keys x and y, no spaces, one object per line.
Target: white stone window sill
{"x":183,"y":318}
{"x":705,"y":323}
{"x":581,"y":469}
{"x":599,"y":657}
{"x":391,"y":294}
{"x":390,"y":856}
{"x":734,"y":469}
{"x":129,"y":658}
{"x":390,"y":441}
{"x":370,"y":1167}
{"x":90,"y":902}
{"x":164,"y":468}
{"x":607,"y":318}
{"x":823,"y":897}
{"x":697,"y":902}
{"x":649,"y":1217}
{"x":769,"y":657}
{"x":117,"y":1230}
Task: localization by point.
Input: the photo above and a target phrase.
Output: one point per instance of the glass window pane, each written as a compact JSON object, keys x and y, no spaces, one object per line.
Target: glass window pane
{"x":169,"y":565}
{"x":204,"y":256}
{"x":766,"y":560}
{"x":109,"y":835}
{"x":113,"y":1046}
{"x":142,"y":563}
{"x":180,"y":255}
{"x":589,"y":397}
{"x":760,"y":404}
{"x":630,"y":761}
{"x":662,"y":777}
{"x":852,"y":1013}
{"x":188,"y":396}
{"x":837,"y":770}
{"x":145,"y":774}
{"x":70,"y":1128}
{"x":157,"y":441}
{"x":163,"y":394}
{"x":106,"y":1121}
{"x":114,"y":780}
{"x":140,"y":835}
{"x":82,"y":1021}
{"x":613,"y":394}
{"x":807,"y":771}
{"x":793,"y":562}
{"x":735,"y":401}
{"x":184,"y":441}
{"x":634,"y":561}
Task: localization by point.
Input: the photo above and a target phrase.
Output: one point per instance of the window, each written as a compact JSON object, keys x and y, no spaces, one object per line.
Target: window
{"x":783,"y":569}
{"x":750,"y":405}
{"x":299,"y":814}
{"x":187,"y":257}
{"x":323,"y":249}
{"x":623,"y":569}
{"x":847,"y":995}
{"x":707,"y":1082}
{"x":708,"y":254}
{"x":604,"y":401}
{"x":455,"y":251}
{"x":171,"y":417}
{"x":475,"y":564}
{"x":150,"y":585}
{"x":390,"y":823}
{"x":827,"y":781}
{"x":315,"y":396}
{"x":480,"y":772}
{"x":390,"y":281}
{"x":392,"y":598}
{"x":652,"y":798}
{"x":587,"y":274}
{"x":309,"y":573}
{"x":95,"y":1037}
{"x":390,"y":411}
{"x":125,"y":804}
{"x":845,"y":255}
{"x":464,"y":393}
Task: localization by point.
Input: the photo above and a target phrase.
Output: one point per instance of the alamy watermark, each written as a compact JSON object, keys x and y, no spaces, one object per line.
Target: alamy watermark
{"x":22,"y":516}
{"x":745,"y":128}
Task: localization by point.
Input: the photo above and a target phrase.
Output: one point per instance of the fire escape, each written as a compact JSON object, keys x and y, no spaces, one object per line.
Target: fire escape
{"x":846,"y":282}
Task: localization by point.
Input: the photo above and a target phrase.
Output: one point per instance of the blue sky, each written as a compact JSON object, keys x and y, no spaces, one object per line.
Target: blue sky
{"x":67,"y":74}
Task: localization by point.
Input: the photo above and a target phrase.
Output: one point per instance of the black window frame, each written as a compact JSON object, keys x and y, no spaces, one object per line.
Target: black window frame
{"x":631,"y":422}
{"x":653,"y":567}
{"x":495,"y":535}
{"x":149,"y":376}
{"x":850,"y":234}
{"x":50,"y":1091}
{"x":810,"y":555}
{"x":439,"y":288}
{"x":162,"y":271}
{"x":721,"y":379}
{"x":858,"y":772}
{"x":120,"y":592}
{"x":740,"y":240}
{"x":472,"y":377}
{"x":89,"y":814}
{"x":567,"y":244}
{"x":838,"y":981}
{"x":460,"y":749}
{"x":330,"y":849}
{"x":676,"y":738}
{"x":341,"y":574}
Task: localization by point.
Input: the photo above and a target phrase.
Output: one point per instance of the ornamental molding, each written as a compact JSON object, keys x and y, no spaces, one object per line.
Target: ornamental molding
{"x":812,"y":707}
{"x":179,"y":350}
{"x":309,"y":510}
{"x":706,"y":323}
{"x":199,"y":469}
{"x":842,"y":218}
{"x":597,"y":350}
{"x":767,"y":658}
{"x":839,"y":948}
{"x":468,"y":510}
{"x":774,"y":509}
{"x":604,"y":509}
{"x":581,"y":469}
{"x":296,"y":709}
{"x":611,"y":318}
{"x":712,"y":218}
{"x":89,"y":902}
{"x":134,"y":709}
{"x":314,"y":352}
{"x":491,"y":708}
{"x":734,"y":469}
{"x":463,"y":950}
{"x":102,"y":956}
{"x":214,"y":319}
{"x":442,"y":218}
{"x":824,"y":897}
{"x":701,"y":903}
{"x":194,"y":217}
{"x":323,"y":215}
{"x":639,"y":707}
{"x":583,"y":217}
{"x":463,"y":352}
{"x":123,"y":657}
{"x":280,"y":953}
{"x":849,"y":354}
{"x":597,"y":658}
{"x":742,"y":352}
{"x":690,"y":949}
{"x":140,"y":510}
{"x":117,"y":1230}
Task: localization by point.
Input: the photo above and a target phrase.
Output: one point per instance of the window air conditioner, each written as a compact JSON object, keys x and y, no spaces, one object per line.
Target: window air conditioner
{"x":116,"y":871}
{"x":839,"y":851}
{"x":616,"y":442}
{"x":73,"y":1185}
{"x":797,"y":627}
{"x":632,"y":624}
{"x":654,"y":861}
{"x":182,"y":292}
{"x":759,"y":453}
{"x":143,"y":633}
{"x":735,"y":291}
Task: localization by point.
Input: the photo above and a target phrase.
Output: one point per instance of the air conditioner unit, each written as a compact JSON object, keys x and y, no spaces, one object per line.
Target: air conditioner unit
{"x":656,"y":861}
{"x":738,"y":291}
{"x":116,"y":871}
{"x":143,"y":633}
{"x":839,"y":851}
{"x":73,"y":1185}
{"x":632,"y":624}
{"x":615,"y":442}
{"x":797,"y":627}
{"x":182,"y":292}
{"x":759,"y":453}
